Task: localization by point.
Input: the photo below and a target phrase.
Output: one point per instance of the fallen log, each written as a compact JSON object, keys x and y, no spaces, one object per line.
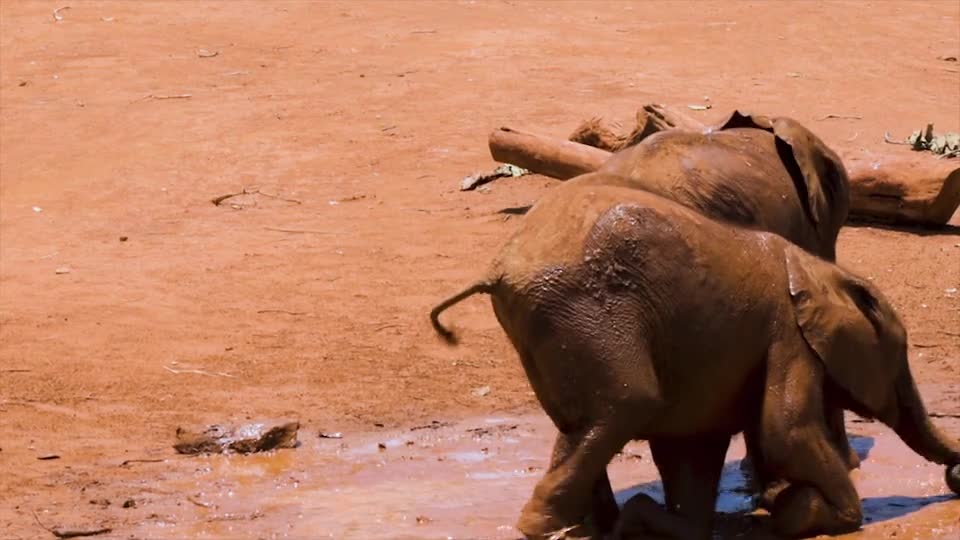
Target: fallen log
{"x":903,"y":188}
{"x":908,"y":189}
{"x":543,"y":155}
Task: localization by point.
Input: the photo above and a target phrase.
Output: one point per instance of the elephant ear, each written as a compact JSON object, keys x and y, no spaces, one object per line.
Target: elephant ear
{"x":818,"y":173}
{"x":844,"y":323}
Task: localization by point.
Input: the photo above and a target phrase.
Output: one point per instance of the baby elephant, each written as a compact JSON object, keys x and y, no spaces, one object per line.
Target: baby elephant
{"x":637,"y":318}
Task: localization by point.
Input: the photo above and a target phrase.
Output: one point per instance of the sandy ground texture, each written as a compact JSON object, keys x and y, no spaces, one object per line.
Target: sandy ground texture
{"x":131,"y":305}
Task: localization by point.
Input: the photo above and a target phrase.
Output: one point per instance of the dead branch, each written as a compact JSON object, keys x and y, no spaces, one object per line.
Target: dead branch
{"x":201,"y":504}
{"x":217,"y":200}
{"x":163,"y":96}
{"x":840,"y":117}
{"x":199,"y":372}
{"x":129,"y":461}
{"x":304,"y":231}
{"x":68,"y":533}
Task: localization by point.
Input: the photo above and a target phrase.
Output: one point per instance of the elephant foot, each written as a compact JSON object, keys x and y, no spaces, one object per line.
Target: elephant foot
{"x":851,"y":457}
{"x":644,"y":518}
{"x":538,"y":522}
{"x":953,"y":478}
{"x":800,"y":511}
{"x":766,"y":498}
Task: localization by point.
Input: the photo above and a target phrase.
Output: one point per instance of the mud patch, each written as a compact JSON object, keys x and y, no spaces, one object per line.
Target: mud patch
{"x":469,"y":480}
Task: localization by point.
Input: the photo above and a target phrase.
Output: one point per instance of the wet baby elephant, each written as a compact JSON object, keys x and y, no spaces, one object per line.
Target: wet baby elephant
{"x":766,"y":173}
{"x":637,"y":318}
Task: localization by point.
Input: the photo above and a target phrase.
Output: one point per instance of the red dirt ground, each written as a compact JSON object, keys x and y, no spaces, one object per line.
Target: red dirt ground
{"x":367,"y":115}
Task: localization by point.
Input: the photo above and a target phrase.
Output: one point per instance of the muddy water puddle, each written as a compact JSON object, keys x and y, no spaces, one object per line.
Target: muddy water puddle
{"x":469,"y":479}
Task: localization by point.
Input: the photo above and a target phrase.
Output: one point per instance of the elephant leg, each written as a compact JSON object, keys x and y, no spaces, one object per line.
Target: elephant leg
{"x":799,"y":445}
{"x":821,"y":498}
{"x":605,"y":509}
{"x":759,"y":480}
{"x":690,"y":469}
{"x":838,"y":433}
{"x":566,"y":496}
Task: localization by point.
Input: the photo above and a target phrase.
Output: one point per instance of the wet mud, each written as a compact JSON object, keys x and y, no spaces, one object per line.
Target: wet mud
{"x":469,"y":479}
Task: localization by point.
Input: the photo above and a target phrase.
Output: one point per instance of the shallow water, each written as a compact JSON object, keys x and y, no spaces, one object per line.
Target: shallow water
{"x":469,"y":480}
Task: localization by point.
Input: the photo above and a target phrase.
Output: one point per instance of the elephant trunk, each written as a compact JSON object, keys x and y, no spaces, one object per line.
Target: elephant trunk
{"x":913,"y":425}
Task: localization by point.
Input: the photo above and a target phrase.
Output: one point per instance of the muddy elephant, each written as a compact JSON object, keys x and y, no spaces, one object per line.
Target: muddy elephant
{"x":638,"y":318}
{"x":767,"y":173}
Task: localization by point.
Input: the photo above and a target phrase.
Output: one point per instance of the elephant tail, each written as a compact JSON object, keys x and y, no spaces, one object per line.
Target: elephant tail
{"x":448,"y":335}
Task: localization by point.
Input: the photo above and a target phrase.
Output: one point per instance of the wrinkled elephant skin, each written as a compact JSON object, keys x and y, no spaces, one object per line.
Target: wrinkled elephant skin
{"x":638,"y":318}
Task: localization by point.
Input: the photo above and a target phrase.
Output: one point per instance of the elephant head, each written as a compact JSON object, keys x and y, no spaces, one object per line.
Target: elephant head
{"x":862,"y":344}
{"x":817,"y":171}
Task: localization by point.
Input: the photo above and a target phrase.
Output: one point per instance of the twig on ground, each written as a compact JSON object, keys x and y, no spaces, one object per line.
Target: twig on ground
{"x":15,"y":370}
{"x":841,"y":117}
{"x":217,"y":200}
{"x":851,"y":139}
{"x":199,"y":372}
{"x":423,"y":32}
{"x":385,"y":326}
{"x":201,"y":504}
{"x":282,"y":311}
{"x":164,"y":96}
{"x":887,"y":138}
{"x":129,"y":461}
{"x":56,"y":13}
{"x":61,"y":533}
{"x":247,"y":191}
{"x":304,"y":231}
{"x":942,"y":415}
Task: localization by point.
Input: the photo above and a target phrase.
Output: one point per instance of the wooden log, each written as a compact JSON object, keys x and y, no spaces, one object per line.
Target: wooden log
{"x":912,"y":188}
{"x":544,"y":155}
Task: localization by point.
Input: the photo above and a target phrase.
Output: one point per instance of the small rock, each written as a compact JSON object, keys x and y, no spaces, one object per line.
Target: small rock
{"x":129,"y":503}
{"x":37,"y":209}
{"x":381,"y":446}
{"x":124,"y":238}
{"x":481,"y":391}
{"x":421,"y":520}
{"x":245,"y":439}
{"x":334,"y":435}
{"x":62,"y":270}
{"x":48,"y":457}
{"x":100,"y":502}
{"x":951,"y":290}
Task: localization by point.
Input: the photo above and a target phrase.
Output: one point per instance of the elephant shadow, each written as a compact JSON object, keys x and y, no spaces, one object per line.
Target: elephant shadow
{"x":735,"y":503}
